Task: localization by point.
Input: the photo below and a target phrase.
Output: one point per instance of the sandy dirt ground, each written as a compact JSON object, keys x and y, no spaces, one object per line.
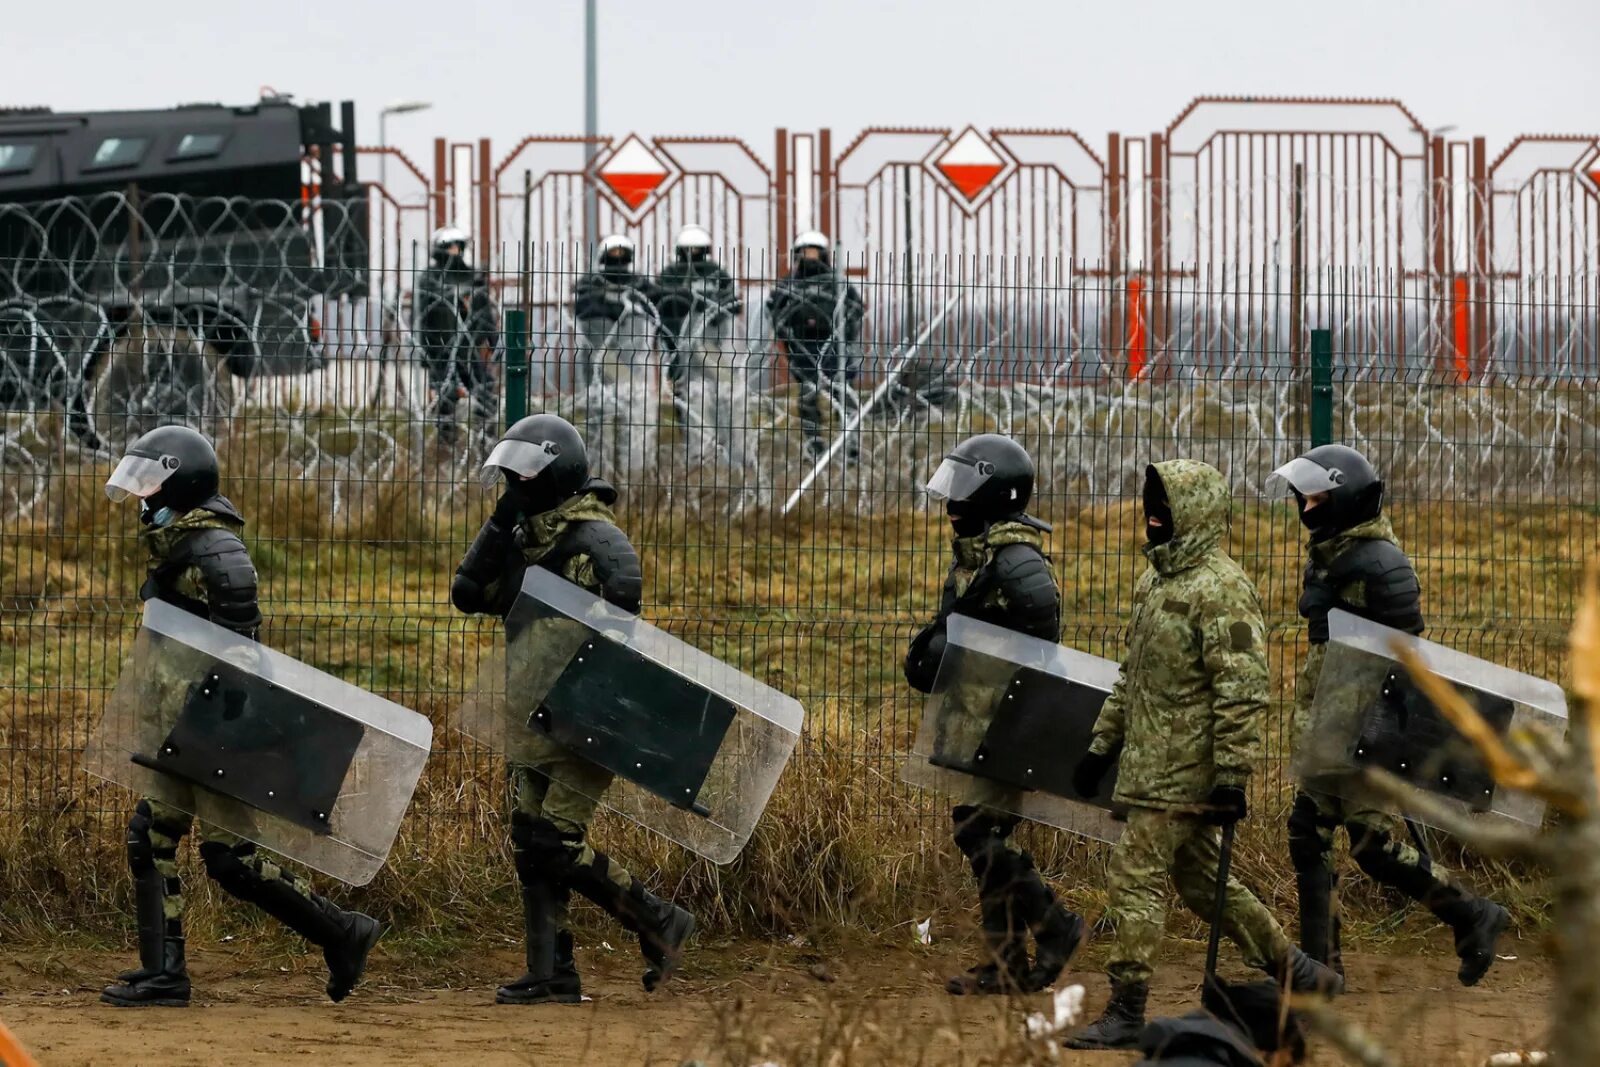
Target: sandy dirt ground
{"x":736,"y":1005}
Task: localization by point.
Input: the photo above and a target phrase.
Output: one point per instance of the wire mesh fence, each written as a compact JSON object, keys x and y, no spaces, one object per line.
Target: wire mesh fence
{"x":769,"y":425}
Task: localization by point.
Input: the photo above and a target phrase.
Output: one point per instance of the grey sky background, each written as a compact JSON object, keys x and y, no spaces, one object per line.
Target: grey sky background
{"x":506,"y":68}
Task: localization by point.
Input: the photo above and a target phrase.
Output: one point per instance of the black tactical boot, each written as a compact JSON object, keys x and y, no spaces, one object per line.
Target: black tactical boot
{"x":1057,"y":932}
{"x":166,"y":985}
{"x":1120,"y":1024}
{"x":552,"y":976}
{"x":663,"y":931}
{"x":1299,"y":973}
{"x":1055,"y":938}
{"x":1005,"y":940}
{"x":1478,"y":924}
{"x":345,"y":937}
{"x":663,"y":928}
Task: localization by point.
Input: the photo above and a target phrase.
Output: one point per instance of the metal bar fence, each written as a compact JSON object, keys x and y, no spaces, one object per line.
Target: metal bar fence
{"x":351,"y":420}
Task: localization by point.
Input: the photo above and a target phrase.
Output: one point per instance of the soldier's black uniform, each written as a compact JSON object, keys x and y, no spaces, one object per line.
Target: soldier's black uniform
{"x":1000,"y":576}
{"x":1356,"y":565}
{"x":555,"y":516}
{"x":817,"y":315}
{"x":457,"y":331}
{"x":199,"y":563}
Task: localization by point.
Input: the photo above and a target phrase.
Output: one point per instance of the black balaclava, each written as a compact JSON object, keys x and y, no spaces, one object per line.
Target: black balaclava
{"x":965,"y":525}
{"x":810,"y":268}
{"x":1156,"y":506}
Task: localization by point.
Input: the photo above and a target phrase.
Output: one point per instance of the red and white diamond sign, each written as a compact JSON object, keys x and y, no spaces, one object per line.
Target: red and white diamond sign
{"x":633,"y":173}
{"x":971,"y":164}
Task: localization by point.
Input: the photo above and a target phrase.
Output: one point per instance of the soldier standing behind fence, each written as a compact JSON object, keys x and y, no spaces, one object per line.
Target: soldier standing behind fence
{"x":552,"y":514}
{"x":817,"y":315}
{"x":1185,"y":718}
{"x":999,"y":575}
{"x":198,"y":563}
{"x":618,"y":326}
{"x":1354,"y":564}
{"x":455,"y":330}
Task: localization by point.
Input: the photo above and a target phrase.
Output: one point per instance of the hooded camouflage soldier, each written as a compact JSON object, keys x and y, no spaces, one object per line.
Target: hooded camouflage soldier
{"x":552,"y":514}
{"x":999,"y":575}
{"x":1355,"y":564}
{"x":199,"y":563}
{"x":1185,"y":719}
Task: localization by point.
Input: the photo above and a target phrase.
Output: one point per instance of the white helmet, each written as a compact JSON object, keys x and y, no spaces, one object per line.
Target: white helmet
{"x":615,"y":241}
{"x":811,"y":239}
{"x":694,"y":237}
{"x":445,"y":236}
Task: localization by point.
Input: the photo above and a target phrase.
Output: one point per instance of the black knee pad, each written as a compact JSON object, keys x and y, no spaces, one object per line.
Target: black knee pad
{"x":541,"y":852}
{"x":226,"y":867}
{"x":141,"y":852}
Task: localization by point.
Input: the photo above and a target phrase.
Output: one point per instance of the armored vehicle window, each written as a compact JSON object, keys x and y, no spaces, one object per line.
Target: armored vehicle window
{"x":118,"y":152}
{"x":17,"y":158}
{"x":198,"y":145}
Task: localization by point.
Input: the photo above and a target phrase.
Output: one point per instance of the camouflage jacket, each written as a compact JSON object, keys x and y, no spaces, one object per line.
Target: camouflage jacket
{"x":1186,"y":709}
{"x":1378,"y":584}
{"x":199,"y":563}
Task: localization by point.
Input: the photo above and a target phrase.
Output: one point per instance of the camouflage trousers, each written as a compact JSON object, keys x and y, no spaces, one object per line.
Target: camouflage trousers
{"x":1160,"y":845}
{"x":170,"y":825}
{"x":565,"y":790}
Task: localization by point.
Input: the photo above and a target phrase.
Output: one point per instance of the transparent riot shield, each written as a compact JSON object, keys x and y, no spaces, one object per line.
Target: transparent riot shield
{"x":586,"y":693}
{"x":261,"y":745}
{"x":1008,"y":721}
{"x":1367,"y":712}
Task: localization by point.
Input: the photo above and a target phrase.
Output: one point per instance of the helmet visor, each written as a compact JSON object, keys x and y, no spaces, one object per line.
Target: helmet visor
{"x":139,"y":476}
{"x":957,"y":479}
{"x":1304,"y":477}
{"x":523,"y":458}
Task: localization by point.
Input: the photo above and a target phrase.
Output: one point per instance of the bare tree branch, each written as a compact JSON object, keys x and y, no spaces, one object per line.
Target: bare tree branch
{"x":1492,"y":839}
{"x":1348,"y":1037}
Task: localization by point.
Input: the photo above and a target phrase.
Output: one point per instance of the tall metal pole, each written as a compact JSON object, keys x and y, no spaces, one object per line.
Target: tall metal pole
{"x":383,"y":149}
{"x":591,"y":123}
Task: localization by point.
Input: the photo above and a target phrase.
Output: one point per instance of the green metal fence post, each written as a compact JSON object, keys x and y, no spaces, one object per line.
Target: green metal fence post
{"x":516,"y":366}
{"x":1321,"y":387}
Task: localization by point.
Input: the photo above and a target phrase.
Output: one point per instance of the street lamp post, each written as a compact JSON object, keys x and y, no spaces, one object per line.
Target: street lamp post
{"x":399,"y":107}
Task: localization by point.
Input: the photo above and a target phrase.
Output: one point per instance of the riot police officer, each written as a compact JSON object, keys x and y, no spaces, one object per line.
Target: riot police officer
{"x":199,"y":563}
{"x":1355,"y":564}
{"x":817,"y":315}
{"x":1000,"y":575}
{"x":697,"y":298}
{"x":456,"y":329}
{"x":553,"y":514}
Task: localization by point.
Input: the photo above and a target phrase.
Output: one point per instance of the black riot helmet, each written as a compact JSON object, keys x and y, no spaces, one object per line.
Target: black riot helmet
{"x":1355,"y":492}
{"x":543,"y":460}
{"x":171,"y":469}
{"x":986,"y":478}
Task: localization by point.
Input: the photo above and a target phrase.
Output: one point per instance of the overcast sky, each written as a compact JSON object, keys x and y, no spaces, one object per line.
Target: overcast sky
{"x":743,"y":67}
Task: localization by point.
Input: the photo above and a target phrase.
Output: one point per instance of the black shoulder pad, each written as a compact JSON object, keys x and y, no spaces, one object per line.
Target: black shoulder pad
{"x":1033,"y":600}
{"x":1393,"y":594}
{"x":616,"y":564}
{"x":229,"y":576}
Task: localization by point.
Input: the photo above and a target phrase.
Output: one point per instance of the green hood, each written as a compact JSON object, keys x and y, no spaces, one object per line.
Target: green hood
{"x":1374,"y":529}
{"x":1197,"y":493}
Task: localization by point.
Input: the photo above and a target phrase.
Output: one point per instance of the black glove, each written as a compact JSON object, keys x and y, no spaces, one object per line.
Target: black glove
{"x":922,"y":659}
{"x":1227,"y":805}
{"x":1091,"y":771}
